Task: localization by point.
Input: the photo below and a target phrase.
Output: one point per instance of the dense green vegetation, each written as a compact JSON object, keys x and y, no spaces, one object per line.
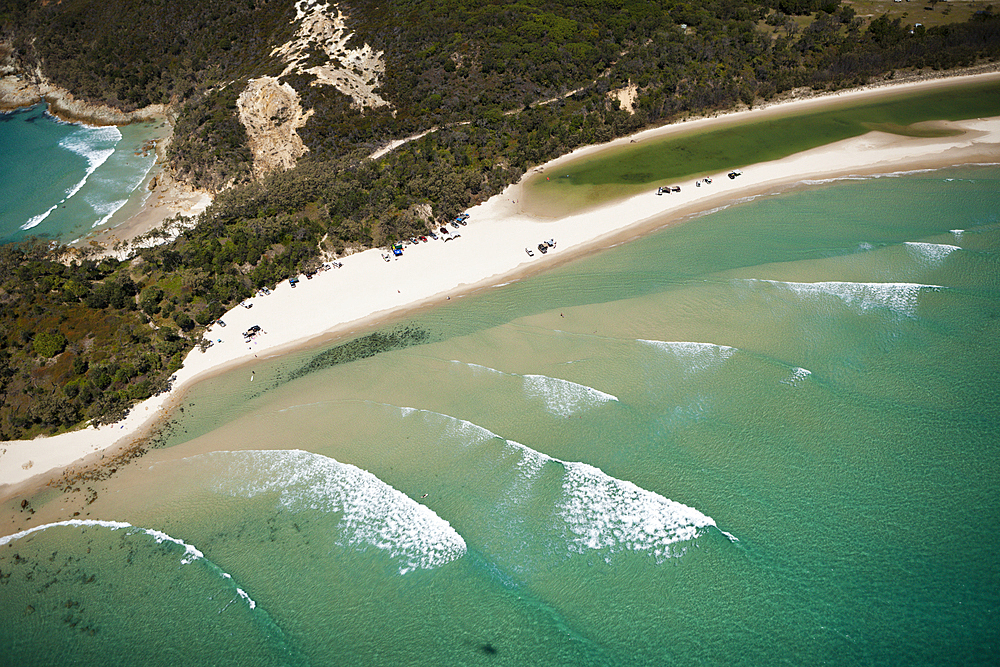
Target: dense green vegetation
{"x":76,"y":346}
{"x":511,"y":84}
{"x":131,"y":53}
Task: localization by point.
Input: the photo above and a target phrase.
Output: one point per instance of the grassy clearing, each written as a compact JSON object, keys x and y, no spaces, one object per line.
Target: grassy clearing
{"x":912,"y":12}
{"x":629,"y":170}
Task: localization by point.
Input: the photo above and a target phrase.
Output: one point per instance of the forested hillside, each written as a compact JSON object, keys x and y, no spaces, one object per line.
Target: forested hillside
{"x":509,"y":84}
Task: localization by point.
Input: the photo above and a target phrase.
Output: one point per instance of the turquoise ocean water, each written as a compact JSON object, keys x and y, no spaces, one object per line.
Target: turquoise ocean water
{"x":61,"y":180}
{"x":765,"y":436}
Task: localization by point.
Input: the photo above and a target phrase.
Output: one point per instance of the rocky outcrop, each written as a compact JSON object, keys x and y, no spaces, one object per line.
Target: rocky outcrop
{"x":21,"y":90}
{"x":271,"y":113}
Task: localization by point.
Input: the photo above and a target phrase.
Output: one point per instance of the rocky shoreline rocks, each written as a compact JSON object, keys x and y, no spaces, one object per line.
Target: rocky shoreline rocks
{"x":18,"y":91}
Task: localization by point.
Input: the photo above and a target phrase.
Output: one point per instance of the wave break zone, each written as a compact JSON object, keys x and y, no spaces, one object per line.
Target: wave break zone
{"x":562,"y":398}
{"x":596,"y":512}
{"x":372,"y":512}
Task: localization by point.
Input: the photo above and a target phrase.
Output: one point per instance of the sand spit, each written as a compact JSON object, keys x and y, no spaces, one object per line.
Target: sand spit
{"x":371,"y":287}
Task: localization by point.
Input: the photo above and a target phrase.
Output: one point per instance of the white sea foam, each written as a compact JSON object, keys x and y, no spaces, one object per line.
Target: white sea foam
{"x":372,"y":512}
{"x":243,"y":594}
{"x":900,"y":298}
{"x":560,"y":397}
{"x":932,"y":253}
{"x":106,"y":210}
{"x":191,"y":552}
{"x":113,"y":525}
{"x":478,"y":367}
{"x":612,"y":515}
{"x":37,"y":220}
{"x":595,"y":512}
{"x":91,"y":143}
{"x":798,"y":375}
{"x":601,"y":513}
{"x":698,"y":356}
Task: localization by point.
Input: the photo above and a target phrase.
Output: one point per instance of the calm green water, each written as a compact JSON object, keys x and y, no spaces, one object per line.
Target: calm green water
{"x":764,"y":436}
{"x":629,"y":170}
{"x":61,"y":180}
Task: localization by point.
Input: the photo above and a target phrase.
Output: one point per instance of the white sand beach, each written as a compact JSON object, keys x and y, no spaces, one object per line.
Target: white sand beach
{"x":488,"y":251}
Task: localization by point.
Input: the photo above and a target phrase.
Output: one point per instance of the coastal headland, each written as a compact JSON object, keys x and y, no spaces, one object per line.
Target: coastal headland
{"x":371,"y":287}
{"x":162,"y":196}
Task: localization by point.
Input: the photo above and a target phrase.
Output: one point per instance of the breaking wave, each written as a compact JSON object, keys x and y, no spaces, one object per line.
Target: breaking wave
{"x":932,"y":253}
{"x":191,"y":553}
{"x":92,"y":144}
{"x":900,"y":298}
{"x":698,"y":356}
{"x":37,"y":220}
{"x":106,"y":210}
{"x":560,"y":397}
{"x":372,"y":512}
{"x":798,"y":375}
{"x":593,"y":511}
{"x":96,"y":145}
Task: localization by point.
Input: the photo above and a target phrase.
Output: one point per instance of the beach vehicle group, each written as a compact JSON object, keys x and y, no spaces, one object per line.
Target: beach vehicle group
{"x":707,"y":180}
{"x":441,"y":233}
{"x":543,"y":247}
{"x":249,"y":334}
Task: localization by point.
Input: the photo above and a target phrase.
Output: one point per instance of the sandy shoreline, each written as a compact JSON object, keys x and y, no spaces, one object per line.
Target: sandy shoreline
{"x":491,"y":250}
{"x":165,"y":198}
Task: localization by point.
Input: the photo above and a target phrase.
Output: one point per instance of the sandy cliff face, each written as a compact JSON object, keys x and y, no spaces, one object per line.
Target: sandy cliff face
{"x":354,"y":72}
{"x":271,"y":111}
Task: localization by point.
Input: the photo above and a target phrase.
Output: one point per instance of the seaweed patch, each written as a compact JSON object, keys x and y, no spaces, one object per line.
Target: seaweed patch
{"x":361,"y":348}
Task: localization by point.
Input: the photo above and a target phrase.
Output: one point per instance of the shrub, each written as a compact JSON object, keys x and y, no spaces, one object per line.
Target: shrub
{"x":184,"y":321}
{"x":48,"y":345}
